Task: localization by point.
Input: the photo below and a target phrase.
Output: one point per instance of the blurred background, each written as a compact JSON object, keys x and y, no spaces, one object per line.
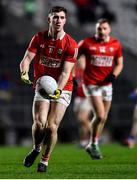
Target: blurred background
{"x":19,"y":21}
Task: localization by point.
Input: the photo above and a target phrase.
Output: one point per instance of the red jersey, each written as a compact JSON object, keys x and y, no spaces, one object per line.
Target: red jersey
{"x":51,"y":55}
{"x":101,"y":57}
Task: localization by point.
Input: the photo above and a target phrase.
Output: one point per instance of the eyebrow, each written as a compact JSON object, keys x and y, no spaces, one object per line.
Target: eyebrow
{"x":62,"y":16}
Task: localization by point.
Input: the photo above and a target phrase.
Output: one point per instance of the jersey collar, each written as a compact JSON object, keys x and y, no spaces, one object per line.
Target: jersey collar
{"x":107,"y":40}
{"x":61,"y":37}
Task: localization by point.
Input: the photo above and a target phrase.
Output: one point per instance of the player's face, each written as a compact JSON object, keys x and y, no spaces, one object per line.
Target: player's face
{"x":103,"y":30}
{"x":57,"y":21}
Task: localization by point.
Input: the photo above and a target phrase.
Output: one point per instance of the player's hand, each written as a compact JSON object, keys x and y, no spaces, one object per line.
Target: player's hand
{"x":25,"y":77}
{"x":110,"y":78}
{"x":56,"y":94}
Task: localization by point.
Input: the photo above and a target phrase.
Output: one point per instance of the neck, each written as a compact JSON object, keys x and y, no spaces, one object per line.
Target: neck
{"x":56,"y":34}
{"x":106,"y":39}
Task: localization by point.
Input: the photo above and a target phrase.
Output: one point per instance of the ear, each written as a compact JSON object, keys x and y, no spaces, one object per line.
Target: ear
{"x":49,"y":20}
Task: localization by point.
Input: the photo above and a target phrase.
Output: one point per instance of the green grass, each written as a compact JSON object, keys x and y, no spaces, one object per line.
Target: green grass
{"x":70,"y":162}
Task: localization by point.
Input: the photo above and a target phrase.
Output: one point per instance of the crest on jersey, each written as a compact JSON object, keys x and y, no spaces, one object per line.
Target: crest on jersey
{"x":102,"y":49}
{"x":51,"y":49}
{"x":60,"y":51}
{"x":111,"y":49}
{"x":42,"y":45}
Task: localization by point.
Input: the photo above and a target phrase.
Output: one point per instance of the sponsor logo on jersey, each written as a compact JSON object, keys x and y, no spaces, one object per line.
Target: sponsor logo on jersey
{"x":111,"y":49}
{"x":51,"y":49}
{"x":50,"y":62}
{"x":93,"y":48}
{"x":102,"y":49}
{"x":60,"y":51}
{"x":105,"y":61}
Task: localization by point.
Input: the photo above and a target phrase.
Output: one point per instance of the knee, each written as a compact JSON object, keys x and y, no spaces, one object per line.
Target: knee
{"x":39,"y":125}
{"x":52,"y":128}
{"x":101,"y":118}
{"x":83,"y":122}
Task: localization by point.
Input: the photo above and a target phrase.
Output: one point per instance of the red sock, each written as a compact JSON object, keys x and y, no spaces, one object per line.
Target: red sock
{"x":95,"y":140}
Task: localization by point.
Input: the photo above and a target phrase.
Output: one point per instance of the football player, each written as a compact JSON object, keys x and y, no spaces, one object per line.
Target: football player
{"x":104,"y":63}
{"x":54,"y":53}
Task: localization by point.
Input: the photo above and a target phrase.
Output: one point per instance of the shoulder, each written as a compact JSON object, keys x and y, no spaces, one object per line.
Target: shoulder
{"x":115,"y":40}
{"x":86,"y":41}
{"x":70,"y":40}
{"x":41,"y":34}
{"x":89,"y":39}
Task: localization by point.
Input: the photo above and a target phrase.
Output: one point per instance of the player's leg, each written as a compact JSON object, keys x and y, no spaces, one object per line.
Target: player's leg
{"x":107,"y":105}
{"x":93,"y":148}
{"x":100,"y":117}
{"x":84,"y":127}
{"x":54,"y":118}
{"x":57,"y":111}
{"x":107,"y":100}
{"x":83,"y":110}
{"x":39,"y":111}
{"x":131,"y":140}
{"x":101,"y":101}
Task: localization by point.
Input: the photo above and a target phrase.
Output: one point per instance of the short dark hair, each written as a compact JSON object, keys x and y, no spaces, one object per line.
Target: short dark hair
{"x":58,"y":9}
{"x":103,"y":20}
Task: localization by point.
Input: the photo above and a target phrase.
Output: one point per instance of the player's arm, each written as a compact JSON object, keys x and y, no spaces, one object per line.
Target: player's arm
{"x":116,"y":71}
{"x":135,"y":90}
{"x":70,"y":59}
{"x":68,"y":66}
{"x":81,"y":63}
{"x":118,"y":67}
{"x":24,"y":66}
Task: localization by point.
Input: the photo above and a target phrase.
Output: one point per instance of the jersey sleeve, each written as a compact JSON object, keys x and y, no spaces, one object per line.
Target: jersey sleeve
{"x":119,"y":50}
{"x":33,"y":45}
{"x":72,"y":52}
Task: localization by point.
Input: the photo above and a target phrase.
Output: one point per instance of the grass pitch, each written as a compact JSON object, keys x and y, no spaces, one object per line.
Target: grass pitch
{"x":70,"y":162}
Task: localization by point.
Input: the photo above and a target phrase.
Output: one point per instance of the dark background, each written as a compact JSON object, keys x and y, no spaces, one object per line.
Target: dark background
{"x":19,"y":20}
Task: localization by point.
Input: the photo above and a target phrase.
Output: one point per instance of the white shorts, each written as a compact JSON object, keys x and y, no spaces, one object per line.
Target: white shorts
{"x":95,"y":90}
{"x":65,"y":98}
{"x":82,"y":103}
